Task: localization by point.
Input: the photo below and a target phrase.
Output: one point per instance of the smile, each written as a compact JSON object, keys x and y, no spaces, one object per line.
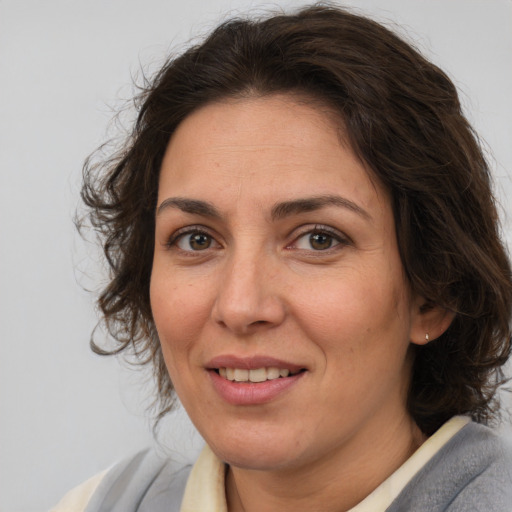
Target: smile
{"x":255,"y":380}
{"x":253,"y":375}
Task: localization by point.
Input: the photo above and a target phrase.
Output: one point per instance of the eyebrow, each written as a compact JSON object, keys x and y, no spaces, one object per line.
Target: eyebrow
{"x":192,"y":206}
{"x":309,"y":204}
{"x":279,"y":210}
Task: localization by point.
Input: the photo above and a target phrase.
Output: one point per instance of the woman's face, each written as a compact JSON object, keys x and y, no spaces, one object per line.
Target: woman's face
{"x":276,"y":265}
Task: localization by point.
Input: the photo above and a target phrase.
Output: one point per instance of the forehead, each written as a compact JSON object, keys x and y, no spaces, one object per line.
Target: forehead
{"x":264,"y":147}
{"x":295,"y":121}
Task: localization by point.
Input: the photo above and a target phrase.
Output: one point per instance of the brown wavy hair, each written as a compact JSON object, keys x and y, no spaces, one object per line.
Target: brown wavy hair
{"x":402,"y":116}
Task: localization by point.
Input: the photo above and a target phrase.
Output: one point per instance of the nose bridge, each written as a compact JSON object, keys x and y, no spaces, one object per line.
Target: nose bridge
{"x":246,"y":296}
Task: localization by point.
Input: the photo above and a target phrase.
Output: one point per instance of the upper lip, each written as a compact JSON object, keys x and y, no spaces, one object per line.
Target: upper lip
{"x":251,"y":363}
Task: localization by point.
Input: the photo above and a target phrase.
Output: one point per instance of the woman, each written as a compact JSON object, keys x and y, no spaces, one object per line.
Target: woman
{"x":304,"y":244}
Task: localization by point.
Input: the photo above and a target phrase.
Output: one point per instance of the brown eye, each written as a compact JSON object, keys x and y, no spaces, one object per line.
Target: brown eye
{"x":195,"y":242}
{"x":320,"y":241}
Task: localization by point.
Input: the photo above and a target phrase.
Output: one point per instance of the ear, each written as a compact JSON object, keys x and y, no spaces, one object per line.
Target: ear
{"x":429,"y":321}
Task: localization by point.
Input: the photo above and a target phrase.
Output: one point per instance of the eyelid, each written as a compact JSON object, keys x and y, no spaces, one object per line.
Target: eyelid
{"x":297,"y":233}
{"x":172,"y":240}
{"x":339,"y":236}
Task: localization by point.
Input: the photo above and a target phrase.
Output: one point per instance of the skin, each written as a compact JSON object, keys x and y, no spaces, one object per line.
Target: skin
{"x":257,"y":286}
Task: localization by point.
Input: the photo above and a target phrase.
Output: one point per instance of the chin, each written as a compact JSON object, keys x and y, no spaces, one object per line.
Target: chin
{"x":260,"y":451}
{"x":260,"y":460}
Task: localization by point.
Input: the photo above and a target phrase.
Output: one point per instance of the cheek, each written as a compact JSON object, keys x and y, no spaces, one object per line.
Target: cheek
{"x":176,"y":317}
{"x":180,"y":310}
{"x":334,"y":299}
{"x":358,"y":313}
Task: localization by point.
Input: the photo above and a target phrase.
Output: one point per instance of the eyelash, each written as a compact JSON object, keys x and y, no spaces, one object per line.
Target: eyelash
{"x":333,"y":235}
{"x":340,"y":239}
{"x":179,"y":235}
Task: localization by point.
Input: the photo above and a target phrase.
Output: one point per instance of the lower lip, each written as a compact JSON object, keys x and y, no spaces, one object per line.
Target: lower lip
{"x":252,"y":393}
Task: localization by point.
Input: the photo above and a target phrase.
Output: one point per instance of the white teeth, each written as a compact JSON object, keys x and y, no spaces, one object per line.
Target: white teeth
{"x":254,"y":375}
{"x":241,"y":375}
{"x":272,"y":373}
{"x":259,"y":375}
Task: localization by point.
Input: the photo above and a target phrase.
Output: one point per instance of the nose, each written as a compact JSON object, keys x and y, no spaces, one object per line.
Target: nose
{"x":248,"y":299}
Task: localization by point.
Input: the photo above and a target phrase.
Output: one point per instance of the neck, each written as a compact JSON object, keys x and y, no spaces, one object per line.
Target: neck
{"x":334,"y":483}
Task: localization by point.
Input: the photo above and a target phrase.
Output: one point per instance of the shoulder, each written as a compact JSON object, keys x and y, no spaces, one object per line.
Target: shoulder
{"x":76,"y":500}
{"x":472,"y":472}
{"x":145,"y":481}
{"x":483,"y":461}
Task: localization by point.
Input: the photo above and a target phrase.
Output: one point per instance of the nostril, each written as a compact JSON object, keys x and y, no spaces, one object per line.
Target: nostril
{"x":245,"y":315}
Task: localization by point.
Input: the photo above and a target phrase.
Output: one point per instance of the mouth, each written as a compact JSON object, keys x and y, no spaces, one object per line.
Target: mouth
{"x":253,"y":380}
{"x":255,"y":375}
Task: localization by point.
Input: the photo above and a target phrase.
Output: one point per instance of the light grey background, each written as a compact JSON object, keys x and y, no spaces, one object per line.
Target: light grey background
{"x":66,"y":413}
